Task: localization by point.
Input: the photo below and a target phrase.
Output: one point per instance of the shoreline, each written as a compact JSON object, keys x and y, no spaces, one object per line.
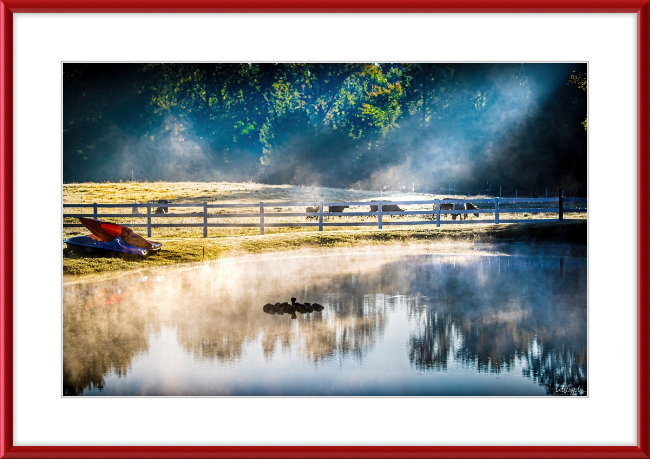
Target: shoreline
{"x":190,"y":251}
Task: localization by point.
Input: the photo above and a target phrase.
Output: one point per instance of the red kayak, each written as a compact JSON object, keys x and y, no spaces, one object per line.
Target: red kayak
{"x":107,"y":232}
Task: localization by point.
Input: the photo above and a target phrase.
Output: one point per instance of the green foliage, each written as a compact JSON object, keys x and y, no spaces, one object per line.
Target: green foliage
{"x":247,"y":120}
{"x":580,"y":78}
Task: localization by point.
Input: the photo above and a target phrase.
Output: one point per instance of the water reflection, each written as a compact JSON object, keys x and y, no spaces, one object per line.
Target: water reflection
{"x":496,"y":315}
{"x":99,"y":337}
{"x":389,"y":325}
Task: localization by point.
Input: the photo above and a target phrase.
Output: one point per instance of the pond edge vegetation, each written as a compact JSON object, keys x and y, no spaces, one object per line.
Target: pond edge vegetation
{"x":178,"y":251}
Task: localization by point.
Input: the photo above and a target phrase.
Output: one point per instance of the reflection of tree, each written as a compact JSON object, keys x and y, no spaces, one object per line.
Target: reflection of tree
{"x":430,"y":349}
{"x":214,"y":318}
{"x":219,"y":323}
{"x":484,"y":316}
{"x":350,"y":325}
{"x":538,"y":325}
{"x":562,"y":371}
{"x":100,"y":337}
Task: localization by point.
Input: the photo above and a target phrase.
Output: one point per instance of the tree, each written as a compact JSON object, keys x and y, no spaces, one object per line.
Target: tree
{"x":580,"y":78}
{"x":370,"y":124}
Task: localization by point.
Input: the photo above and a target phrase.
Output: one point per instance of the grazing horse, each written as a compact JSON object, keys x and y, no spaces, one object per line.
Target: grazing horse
{"x":470,"y":206}
{"x":311,"y":209}
{"x":452,"y":206}
{"x":162,"y":209}
{"x":459,"y":206}
{"x":445,"y":206}
{"x":386,"y":208}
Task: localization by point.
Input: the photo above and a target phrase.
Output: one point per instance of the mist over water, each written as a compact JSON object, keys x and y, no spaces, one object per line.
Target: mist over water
{"x":496,"y":321}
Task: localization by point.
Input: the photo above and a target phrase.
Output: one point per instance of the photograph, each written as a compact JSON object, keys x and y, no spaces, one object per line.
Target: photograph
{"x":313,"y":229}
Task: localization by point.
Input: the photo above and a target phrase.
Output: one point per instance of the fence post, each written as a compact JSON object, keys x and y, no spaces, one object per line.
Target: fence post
{"x":438,"y":212}
{"x":205,"y":219}
{"x":561,"y":204}
{"x":261,"y":217}
{"x":320,"y":216}
{"x":148,"y":219}
{"x":379,"y":215}
{"x":95,"y":210}
{"x":496,"y":211}
{"x":499,"y":191}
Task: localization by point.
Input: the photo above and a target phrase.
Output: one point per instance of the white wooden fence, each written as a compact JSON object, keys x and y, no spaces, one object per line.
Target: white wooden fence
{"x":494,"y":206}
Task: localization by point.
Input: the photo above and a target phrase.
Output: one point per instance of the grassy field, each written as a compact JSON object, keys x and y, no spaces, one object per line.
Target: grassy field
{"x":238,"y":193}
{"x":201,"y":250}
{"x":186,"y":245}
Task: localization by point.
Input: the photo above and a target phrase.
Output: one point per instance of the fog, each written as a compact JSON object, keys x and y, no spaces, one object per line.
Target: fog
{"x":489,"y":311}
{"x":367,"y":126}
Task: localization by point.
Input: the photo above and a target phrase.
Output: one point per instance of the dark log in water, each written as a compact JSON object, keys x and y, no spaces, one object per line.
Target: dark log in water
{"x":286,"y":308}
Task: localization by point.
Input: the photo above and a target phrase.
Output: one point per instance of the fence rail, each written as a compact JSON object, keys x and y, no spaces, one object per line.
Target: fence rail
{"x":496,"y":207}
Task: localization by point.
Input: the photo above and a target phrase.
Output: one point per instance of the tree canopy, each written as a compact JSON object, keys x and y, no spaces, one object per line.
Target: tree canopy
{"x":349,"y":125}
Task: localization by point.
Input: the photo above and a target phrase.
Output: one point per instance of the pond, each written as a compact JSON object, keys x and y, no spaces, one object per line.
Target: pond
{"x":494,"y":321}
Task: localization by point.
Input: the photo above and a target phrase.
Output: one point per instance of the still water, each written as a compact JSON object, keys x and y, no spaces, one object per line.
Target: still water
{"x":505,"y":321}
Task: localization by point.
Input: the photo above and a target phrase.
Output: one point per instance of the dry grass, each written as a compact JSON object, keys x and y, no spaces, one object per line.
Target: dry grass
{"x":186,"y":245}
{"x":198,"y":250}
{"x":226,"y":192}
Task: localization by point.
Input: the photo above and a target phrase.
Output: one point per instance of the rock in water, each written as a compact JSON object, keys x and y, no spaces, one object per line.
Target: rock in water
{"x":286,"y":308}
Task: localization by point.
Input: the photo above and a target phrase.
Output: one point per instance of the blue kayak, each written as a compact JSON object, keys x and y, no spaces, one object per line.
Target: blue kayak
{"x":116,"y":245}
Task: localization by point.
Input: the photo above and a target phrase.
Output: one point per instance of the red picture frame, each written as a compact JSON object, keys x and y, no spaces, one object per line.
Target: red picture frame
{"x":642,"y":10}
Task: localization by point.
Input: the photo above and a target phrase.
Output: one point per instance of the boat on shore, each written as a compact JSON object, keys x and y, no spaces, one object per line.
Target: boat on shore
{"x":107,"y":232}
{"x":111,"y":239}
